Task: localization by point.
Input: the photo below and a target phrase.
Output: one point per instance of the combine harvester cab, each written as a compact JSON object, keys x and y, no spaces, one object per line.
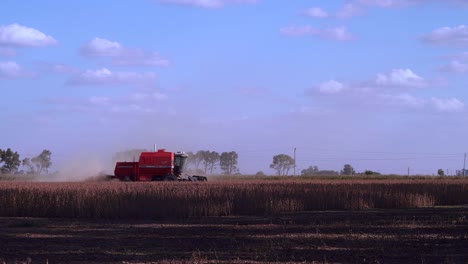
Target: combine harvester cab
{"x":155,"y":166}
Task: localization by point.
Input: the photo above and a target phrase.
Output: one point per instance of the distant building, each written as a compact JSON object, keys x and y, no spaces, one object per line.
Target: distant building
{"x":462,"y":172}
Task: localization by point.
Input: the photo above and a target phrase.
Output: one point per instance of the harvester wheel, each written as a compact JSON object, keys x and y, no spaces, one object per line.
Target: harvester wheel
{"x":169,"y":178}
{"x":126,"y":179}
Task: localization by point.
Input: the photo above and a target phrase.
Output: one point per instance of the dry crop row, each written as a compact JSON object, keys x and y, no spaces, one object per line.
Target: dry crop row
{"x":184,"y":199}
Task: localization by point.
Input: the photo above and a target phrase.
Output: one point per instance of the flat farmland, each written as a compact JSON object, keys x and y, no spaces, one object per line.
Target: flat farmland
{"x":424,"y":235}
{"x":339,"y":221}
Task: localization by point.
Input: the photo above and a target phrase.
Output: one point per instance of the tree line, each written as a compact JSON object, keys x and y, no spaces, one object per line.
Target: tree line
{"x":208,"y":162}
{"x":11,"y":162}
{"x":202,"y":161}
{"x":347,"y":170}
{"x":283,"y":163}
{"x":205,"y":161}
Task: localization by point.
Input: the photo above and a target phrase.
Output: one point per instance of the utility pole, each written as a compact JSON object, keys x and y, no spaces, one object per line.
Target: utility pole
{"x":294,"y":162}
{"x":464,"y":162}
{"x":408,"y":171}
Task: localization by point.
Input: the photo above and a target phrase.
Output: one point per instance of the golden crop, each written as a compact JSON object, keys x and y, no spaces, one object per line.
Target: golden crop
{"x":186,"y":199}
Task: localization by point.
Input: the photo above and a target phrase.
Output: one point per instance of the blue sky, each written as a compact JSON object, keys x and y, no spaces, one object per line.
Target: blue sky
{"x":379,"y":84}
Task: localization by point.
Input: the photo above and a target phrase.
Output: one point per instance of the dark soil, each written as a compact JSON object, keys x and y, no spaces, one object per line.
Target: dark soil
{"x":427,"y":235}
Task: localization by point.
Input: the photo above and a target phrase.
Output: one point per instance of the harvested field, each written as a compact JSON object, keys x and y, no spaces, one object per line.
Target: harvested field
{"x":423,"y":235}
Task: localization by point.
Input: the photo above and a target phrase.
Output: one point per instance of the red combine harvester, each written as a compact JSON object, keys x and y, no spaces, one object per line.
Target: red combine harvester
{"x":155,"y":166}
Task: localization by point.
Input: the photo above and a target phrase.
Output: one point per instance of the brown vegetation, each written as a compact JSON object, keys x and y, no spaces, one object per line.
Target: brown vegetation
{"x":183,"y":199}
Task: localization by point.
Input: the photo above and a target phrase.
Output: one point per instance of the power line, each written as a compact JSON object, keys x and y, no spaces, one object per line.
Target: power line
{"x":319,"y":149}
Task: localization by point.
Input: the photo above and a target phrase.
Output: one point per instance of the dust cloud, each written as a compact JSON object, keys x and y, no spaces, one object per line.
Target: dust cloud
{"x":82,"y":168}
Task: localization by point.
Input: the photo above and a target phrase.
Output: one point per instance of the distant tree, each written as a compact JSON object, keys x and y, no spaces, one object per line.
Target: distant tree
{"x":43,"y":161}
{"x":204,"y":157}
{"x":282,"y":163}
{"x":28,"y":164}
{"x":440,"y":172}
{"x":369,"y":172}
{"x":194,"y":160}
{"x":199,"y":158}
{"x":228,"y":162}
{"x":190,"y":160}
{"x":260,"y":174}
{"x":128,"y":155}
{"x":348,"y":170}
{"x":312,"y":170}
{"x":213,"y":159}
{"x":327,"y":172}
{"x":10,"y":160}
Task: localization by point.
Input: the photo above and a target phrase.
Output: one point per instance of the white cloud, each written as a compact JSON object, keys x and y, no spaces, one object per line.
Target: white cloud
{"x":57,"y":67}
{"x":141,"y":102}
{"x":148,"y":96}
{"x":158,"y":96}
{"x":313,"y":110}
{"x":411,"y":100}
{"x":400,"y":78}
{"x":358,"y":7}
{"x":456,"y":66}
{"x":62,"y":68}
{"x":331,"y":87}
{"x":120,"y":55}
{"x":10,"y":70}
{"x":405,"y":99}
{"x":132,"y":108}
{"x":20,"y":36}
{"x":99,"y":47}
{"x":99,"y":100}
{"x":463,"y":55}
{"x":207,"y":3}
{"x":403,"y":3}
{"x":106,"y":77}
{"x":141,"y":59}
{"x":397,"y":78}
{"x":316,"y":12}
{"x":337,"y":33}
{"x":386,"y":3}
{"x":138,"y":96}
{"x":349,"y":10}
{"x":448,"y":35}
{"x":372,"y":94}
{"x":448,"y":105}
